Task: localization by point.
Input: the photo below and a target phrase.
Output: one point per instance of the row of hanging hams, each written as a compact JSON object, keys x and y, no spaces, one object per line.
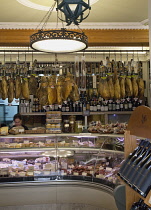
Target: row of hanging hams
{"x":119,"y":87}
{"x":50,"y":90}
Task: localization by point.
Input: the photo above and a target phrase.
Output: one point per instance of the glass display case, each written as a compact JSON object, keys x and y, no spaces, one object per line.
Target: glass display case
{"x":87,"y":157}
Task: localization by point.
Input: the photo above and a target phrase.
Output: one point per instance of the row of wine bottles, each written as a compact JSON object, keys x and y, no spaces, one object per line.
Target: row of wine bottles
{"x":93,"y":105}
{"x":140,"y":205}
{"x":136,"y":169}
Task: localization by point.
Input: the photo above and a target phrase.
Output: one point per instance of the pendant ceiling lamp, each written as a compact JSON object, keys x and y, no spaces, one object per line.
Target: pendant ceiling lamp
{"x":73,"y":10}
{"x":59,"y":40}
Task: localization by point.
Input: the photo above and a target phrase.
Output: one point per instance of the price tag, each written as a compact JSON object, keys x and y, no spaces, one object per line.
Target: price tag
{"x":21,"y":130}
{"x":84,"y":174}
{"x":63,"y":173}
{"x":75,"y":173}
{"x":86,"y":113}
{"x":26,"y":141}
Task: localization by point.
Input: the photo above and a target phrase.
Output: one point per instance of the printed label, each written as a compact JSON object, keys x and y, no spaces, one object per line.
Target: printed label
{"x":26,"y":141}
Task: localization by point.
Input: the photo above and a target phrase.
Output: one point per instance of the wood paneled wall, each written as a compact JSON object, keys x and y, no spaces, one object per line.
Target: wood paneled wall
{"x":96,"y":37}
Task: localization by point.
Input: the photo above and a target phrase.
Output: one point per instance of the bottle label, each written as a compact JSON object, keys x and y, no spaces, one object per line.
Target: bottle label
{"x":67,"y":109}
{"x":106,"y":108}
{"x":121,"y":106}
{"x":95,"y":108}
{"x":66,"y":125}
{"x":126,"y":106}
{"x":84,"y":108}
{"x":114,"y":107}
{"x":117,"y":106}
{"x":91,"y":109}
{"x":63,"y":109}
{"x":102,"y":108}
{"x":130,"y":105}
{"x":98,"y":107}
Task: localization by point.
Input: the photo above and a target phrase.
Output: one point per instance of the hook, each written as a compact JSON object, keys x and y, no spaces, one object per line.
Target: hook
{"x":121,"y":56}
{"x":32,"y":56}
{"x":25,"y":56}
{"x":137,"y":56}
{"x":127,"y":55}
{"x":4,"y":56}
{"x":115,"y":55}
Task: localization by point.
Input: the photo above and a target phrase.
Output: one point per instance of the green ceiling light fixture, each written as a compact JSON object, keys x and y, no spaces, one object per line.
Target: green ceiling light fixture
{"x":73,"y":10}
{"x":59,"y":40}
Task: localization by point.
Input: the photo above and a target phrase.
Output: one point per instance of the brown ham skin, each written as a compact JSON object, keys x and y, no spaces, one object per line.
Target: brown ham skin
{"x":141,"y":87}
{"x":25,"y":89}
{"x":59,"y":86}
{"x":122,"y":86}
{"x":67,"y":88}
{"x":42,"y":92}
{"x":117,"y":89}
{"x":4,"y":88}
{"x":18,"y":87}
{"x":10,"y":90}
{"x":128,"y":87}
{"x":33,"y":84}
{"x":104,"y":89}
{"x":52,"y":92}
{"x":135,"y":87}
{"x":111,"y":87}
{"x":74,"y":95}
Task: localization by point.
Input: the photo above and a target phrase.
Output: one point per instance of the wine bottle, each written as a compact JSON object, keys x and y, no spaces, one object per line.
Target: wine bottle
{"x":110,"y":106}
{"x":144,"y":185}
{"x":133,"y":172}
{"x":125,"y":106}
{"x":63,"y":107}
{"x":113,"y":106}
{"x":99,"y":106}
{"x":128,"y":160}
{"x":117,"y":105}
{"x":138,"y":165}
{"x":129,"y":169}
{"x":137,"y":205}
{"x":121,"y":106}
{"x":141,"y":170}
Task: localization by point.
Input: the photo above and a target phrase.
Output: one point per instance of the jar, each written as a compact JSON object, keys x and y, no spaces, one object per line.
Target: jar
{"x":72,"y":123}
{"x":66,"y":128}
{"x":78,"y":126}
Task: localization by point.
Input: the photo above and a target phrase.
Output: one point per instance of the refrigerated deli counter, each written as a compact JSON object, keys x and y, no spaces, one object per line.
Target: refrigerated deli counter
{"x":45,"y":167}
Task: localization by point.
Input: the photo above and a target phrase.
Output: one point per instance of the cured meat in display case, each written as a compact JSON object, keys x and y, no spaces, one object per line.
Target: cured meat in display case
{"x":89,"y":157}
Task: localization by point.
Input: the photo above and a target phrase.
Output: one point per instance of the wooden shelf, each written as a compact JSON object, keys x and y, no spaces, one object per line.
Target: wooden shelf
{"x":33,"y":113}
{"x":112,"y":112}
{"x":80,"y":113}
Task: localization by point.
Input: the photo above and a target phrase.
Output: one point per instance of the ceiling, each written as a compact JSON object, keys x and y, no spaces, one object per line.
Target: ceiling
{"x":107,"y":11}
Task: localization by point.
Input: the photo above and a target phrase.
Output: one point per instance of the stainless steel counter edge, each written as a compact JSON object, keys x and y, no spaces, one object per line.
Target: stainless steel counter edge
{"x":58,"y":182}
{"x":78,"y":135}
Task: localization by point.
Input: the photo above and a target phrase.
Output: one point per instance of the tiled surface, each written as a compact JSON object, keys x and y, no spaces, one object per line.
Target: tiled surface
{"x":53,"y":207}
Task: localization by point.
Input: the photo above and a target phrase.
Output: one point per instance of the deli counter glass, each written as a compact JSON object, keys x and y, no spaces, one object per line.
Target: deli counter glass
{"x":91,"y":157}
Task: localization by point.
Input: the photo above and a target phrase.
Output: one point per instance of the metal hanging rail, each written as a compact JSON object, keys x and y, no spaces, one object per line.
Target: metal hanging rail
{"x":103,"y":51}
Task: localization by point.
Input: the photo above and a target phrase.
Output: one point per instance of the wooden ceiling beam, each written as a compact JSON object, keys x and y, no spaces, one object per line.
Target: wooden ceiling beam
{"x":96,"y":37}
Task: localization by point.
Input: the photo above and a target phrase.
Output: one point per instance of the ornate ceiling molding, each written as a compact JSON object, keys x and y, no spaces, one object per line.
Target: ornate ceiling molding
{"x":87,"y":25}
{"x":32,"y":5}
